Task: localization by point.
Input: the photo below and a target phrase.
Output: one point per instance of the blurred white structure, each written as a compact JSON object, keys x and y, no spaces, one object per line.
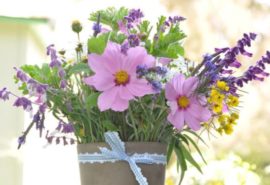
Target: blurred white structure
{"x":19,"y":43}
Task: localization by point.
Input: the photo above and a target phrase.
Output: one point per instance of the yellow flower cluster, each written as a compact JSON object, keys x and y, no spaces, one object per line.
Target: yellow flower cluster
{"x":227,"y":122}
{"x":217,"y":97}
{"x":232,"y":101}
{"x":216,"y":100}
{"x":222,"y":85}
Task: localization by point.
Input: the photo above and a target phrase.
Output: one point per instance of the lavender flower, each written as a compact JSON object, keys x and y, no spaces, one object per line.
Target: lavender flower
{"x":65,"y":127}
{"x":230,"y":55}
{"x":21,"y":75}
{"x":42,"y":108}
{"x":171,"y":21}
{"x":256,"y":72}
{"x":133,"y":40}
{"x":36,"y":117}
{"x":161,"y":70}
{"x":210,"y":66}
{"x":51,"y":51}
{"x":68,"y":128}
{"x":176,"y":19}
{"x":63,"y":84}
{"x":141,"y":70}
{"x":23,"y":102}
{"x":61,"y":73}
{"x":97,"y":28}
{"x":55,"y":62}
{"x":21,"y":140}
{"x":36,"y":88}
{"x":134,"y":15}
{"x":156,"y":85}
{"x":124,"y":48}
{"x":133,"y":19}
{"x":4,"y":94}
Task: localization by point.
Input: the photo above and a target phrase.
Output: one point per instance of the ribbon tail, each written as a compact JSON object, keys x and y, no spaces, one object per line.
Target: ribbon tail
{"x":137,"y":172}
{"x":114,"y":141}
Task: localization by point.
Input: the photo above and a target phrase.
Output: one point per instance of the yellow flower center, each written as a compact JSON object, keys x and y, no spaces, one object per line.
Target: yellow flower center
{"x":183,"y":102}
{"x":121,"y":78}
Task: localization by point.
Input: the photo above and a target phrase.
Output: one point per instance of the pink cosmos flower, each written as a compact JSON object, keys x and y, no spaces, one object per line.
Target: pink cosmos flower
{"x":185,"y":107}
{"x":115,"y":75}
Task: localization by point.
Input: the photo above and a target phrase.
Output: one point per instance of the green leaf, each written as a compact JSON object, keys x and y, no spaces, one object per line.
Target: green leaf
{"x":195,"y":134}
{"x":161,"y":22}
{"x":78,"y":68}
{"x":174,"y":50}
{"x":91,"y":100}
{"x":184,"y":139}
{"x":181,"y":159}
{"x":145,"y":30}
{"x":170,"y":149}
{"x":109,"y":125}
{"x":120,"y":14}
{"x":24,"y":89}
{"x":98,"y":44}
{"x":189,"y":158}
{"x":117,"y":37}
{"x":111,"y":16}
{"x":196,"y":147}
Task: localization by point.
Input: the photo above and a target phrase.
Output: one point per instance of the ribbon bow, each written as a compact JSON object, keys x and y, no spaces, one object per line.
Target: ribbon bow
{"x":117,"y":153}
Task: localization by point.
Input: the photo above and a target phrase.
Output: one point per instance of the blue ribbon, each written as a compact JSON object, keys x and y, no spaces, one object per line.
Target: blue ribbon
{"x":117,"y":153}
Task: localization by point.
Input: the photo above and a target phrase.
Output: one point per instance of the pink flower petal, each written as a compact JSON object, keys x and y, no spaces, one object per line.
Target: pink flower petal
{"x":177,"y":119}
{"x":107,"y":98}
{"x":225,"y":108}
{"x":165,"y":61}
{"x":108,"y":61}
{"x":136,"y":56}
{"x":124,"y":93}
{"x":177,"y":82}
{"x":170,"y":92}
{"x":174,"y":107}
{"x":139,"y":87}
{"x":192,"y":121}
{"x":101,"y":83}
{"x":97,"y":63}
{"x":190,"y":85}
{"x":119,"y":104}
{"x":113,"y":56}
{"x":198,"y":111}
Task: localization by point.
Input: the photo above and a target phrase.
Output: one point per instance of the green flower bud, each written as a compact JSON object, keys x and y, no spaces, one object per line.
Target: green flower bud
{"x":62,"y":52}
{"x":76,"y":26}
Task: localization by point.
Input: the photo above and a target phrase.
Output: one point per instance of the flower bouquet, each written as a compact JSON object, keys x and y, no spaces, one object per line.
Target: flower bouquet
{"x":130,"y":99}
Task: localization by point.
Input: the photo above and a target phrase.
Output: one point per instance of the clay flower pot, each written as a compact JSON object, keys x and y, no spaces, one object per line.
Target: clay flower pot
{"x":119,"y":173}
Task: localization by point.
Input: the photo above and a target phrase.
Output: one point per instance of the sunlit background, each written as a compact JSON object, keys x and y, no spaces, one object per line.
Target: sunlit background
{"x":28,"y":26}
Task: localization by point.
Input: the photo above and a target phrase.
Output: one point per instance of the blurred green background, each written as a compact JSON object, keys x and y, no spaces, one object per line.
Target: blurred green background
{"x":28,"y":26}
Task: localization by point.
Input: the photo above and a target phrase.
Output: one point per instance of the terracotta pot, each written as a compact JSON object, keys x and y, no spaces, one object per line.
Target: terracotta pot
{"x":119,"y":173}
